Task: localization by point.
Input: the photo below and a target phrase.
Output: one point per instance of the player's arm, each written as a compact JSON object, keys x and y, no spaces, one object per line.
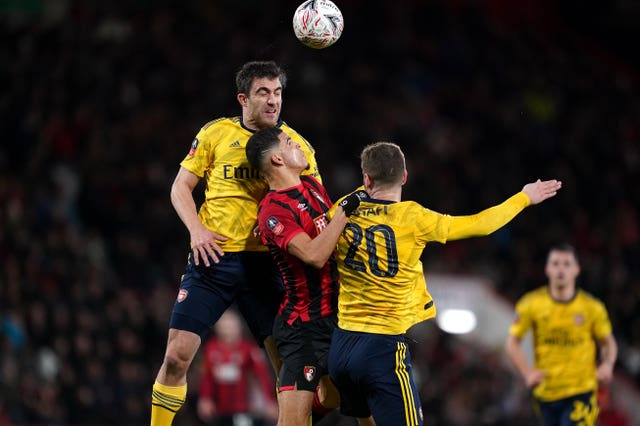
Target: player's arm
{"x":203,"y":240}
{"x":531,"y":376}
{"x":608,"y":356}
{"x":316,"y":251}
{"x":493,"y":218}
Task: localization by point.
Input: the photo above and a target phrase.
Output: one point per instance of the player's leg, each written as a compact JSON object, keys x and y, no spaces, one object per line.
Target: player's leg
{"x":394,"y":397}
{"x":348,"y":350}
{"x":294,"y":407}
{"x":271,"y":350}
{"x":377,"y":368}
{"x":170,"y":388}
{"x":259,"y":300}
{"x":181,"y":348}
{"x":205,"y":293}
{"x":304,"y":349}
{"x":548,"y":412}
{"x":580,"y":410}
{"x":327,"y":396}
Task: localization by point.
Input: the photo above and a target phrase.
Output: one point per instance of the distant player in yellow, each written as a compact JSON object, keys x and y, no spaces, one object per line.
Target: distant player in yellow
{"x":568,"y":326}
{"x":227,"y":263}
{"x":383,"y":290}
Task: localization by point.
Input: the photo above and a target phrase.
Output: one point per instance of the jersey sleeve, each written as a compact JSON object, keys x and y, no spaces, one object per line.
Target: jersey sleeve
{"x":522,"y":321}
{"x":601,"y":324}
{"x":201,"y":153}
{"x":433,"y":226}
{"x":489,"y":220}
{"x":277,"y":225}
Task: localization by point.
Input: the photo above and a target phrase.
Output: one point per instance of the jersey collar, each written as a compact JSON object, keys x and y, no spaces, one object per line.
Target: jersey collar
{"x":278,"y":125}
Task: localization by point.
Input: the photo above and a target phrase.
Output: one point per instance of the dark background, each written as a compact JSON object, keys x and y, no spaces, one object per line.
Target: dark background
{"x":100,"y":102}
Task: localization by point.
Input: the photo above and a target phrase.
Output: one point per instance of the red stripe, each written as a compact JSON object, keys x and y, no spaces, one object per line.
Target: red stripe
{"x":286,"y":388}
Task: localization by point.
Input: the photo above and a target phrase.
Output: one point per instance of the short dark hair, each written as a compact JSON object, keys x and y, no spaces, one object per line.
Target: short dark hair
{"x":259,"y":144}
{"x":258,"y":69}
{"x":563,"y":247}
{"x":383,"y":162}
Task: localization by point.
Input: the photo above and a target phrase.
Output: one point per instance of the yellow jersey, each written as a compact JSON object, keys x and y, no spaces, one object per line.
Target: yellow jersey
{"x":233,"y":188}
{"x":382,"y":284}
{"x":565,"y":336}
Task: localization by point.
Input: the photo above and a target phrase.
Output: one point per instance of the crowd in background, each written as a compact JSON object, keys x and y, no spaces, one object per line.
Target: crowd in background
{"x":100,"y":102}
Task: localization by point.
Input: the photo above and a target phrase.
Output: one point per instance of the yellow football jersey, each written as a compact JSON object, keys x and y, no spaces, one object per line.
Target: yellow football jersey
{"x":233,"y":187}
{"x":382,"y":284}
{"x":564,"y":338}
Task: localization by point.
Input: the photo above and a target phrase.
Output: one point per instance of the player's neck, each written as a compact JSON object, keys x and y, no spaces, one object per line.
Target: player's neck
{"x":562,"y":293}
{"x":283,"y":179}
{"x":392,"y":194}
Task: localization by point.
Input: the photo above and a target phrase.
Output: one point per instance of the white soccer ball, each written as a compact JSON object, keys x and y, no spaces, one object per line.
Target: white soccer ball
{"x":318,"y":23}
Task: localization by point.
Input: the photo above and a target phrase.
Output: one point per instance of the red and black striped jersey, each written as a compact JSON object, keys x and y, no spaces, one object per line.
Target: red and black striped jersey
{"x":310,"y":293}
{"x":227,"y":372}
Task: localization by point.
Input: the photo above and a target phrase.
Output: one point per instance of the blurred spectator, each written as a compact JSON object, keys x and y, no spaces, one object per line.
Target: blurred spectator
{"x":236,"y":385}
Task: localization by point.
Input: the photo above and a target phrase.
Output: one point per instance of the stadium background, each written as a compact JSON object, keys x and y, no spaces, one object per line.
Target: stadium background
{"x":100,"y":101}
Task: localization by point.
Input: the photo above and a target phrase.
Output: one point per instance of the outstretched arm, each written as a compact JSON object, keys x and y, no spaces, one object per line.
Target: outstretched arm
{"x":494,"y":218}
{"x":539,"y":191}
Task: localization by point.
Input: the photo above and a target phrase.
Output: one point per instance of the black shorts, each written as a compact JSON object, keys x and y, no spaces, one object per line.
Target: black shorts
{"x":304,"y":348}
{"x":250,"y":279}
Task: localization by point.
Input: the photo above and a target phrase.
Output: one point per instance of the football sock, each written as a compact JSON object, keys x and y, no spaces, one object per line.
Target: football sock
{"x":165,"y":402}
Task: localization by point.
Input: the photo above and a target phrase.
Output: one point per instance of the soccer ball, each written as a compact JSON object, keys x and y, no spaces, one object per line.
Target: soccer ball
{"x":318,"y":23}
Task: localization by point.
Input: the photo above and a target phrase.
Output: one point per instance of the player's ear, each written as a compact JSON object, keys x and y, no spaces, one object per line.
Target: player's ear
{"x":367,"y":181}
{"x":242,"y":99}
{"x":276,"y":158}
{"x":404,"y":176}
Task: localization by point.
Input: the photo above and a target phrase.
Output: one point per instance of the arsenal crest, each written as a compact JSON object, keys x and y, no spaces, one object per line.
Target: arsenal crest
{"x":578,"y":319}
{"x":309,"y":373}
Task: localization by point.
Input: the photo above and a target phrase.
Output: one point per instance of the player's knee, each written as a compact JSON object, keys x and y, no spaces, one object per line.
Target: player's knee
{"x":176,"y":364}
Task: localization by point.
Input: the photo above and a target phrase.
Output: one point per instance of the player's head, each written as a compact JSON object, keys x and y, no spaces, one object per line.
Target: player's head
{"x":260,"y":85}
{"x":229,"y":327}
{"x":259,"y":69}
{"x":562,"y":267}
{"x":383,"y":165}
{"x":270,"y":148}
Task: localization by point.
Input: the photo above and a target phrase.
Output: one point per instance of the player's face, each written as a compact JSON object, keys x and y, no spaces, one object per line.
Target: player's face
{"x":228,"y":328}
{"x":262,"y":105}
{"x":291,"y":153}
{"x":562,"y":269}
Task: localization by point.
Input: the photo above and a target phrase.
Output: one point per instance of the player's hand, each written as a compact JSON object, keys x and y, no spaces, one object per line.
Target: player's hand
{"x":351,"y":202}
{"x":534,"y":378}
{"x":271,"y":412}
{"x":539,"y":191}
{"x":604,"y":373}
{"x":204,"y":245}
{"x":256,"y":231}
{"x":206,"y":409}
